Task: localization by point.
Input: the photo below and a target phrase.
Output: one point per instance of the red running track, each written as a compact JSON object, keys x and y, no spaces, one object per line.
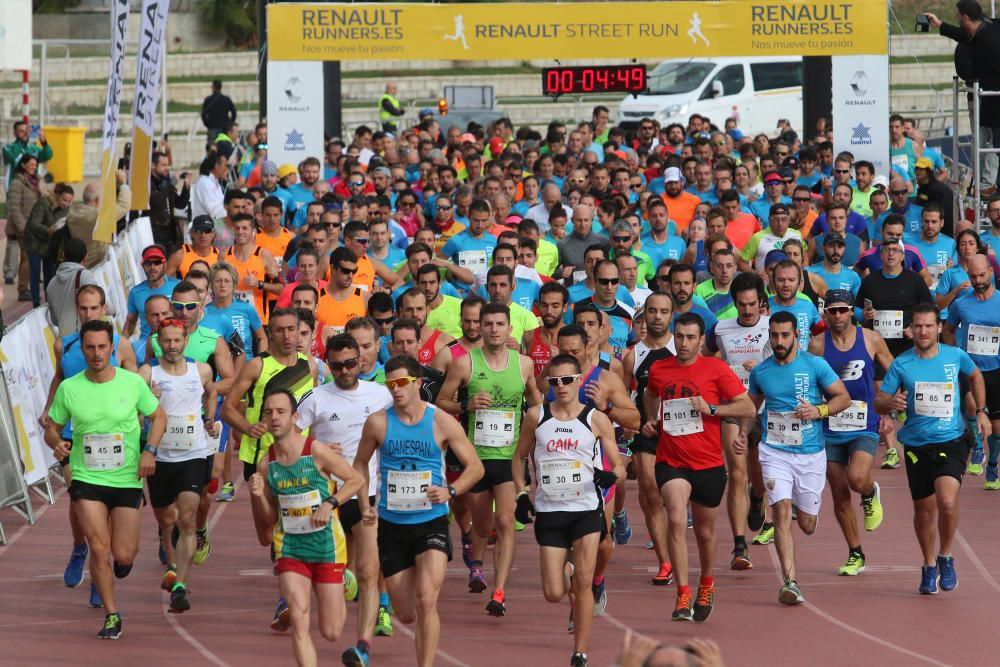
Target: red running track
{"x":874,"y":619}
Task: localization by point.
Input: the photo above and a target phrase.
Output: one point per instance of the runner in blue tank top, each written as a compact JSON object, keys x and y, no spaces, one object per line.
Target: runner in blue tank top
{"x":852,"y":435}
{"x":413,"y":542}
{"x":91,"y":304}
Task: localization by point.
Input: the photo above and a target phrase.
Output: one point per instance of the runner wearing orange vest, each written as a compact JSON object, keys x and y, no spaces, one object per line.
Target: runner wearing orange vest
{"x":259,"y":278}
{"x":201,"y":248}
{"x":341,"y":301}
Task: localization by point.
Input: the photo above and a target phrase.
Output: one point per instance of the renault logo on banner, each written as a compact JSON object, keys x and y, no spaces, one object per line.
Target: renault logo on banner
{"x":293,"y":90}
{"x":860,"y":83}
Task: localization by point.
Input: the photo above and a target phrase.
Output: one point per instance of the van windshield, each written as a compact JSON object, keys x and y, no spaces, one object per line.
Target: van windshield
{"x":671,"y":78}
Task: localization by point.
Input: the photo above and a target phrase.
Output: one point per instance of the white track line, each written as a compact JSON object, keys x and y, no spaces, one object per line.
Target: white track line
{"x":978,"y":564}
{"x":447,"y":656}
{"x":38,"y":515}
{"x":850,"y":628}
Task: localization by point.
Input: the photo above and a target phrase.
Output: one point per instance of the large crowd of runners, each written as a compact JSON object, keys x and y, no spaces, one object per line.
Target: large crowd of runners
{"x":438,"y":338}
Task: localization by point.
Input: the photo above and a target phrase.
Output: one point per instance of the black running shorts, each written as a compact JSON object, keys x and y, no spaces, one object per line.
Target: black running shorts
{"x":707,"y":486}
{"x":173,"y":478}
{"x":561,"y":529}
{"x":112,"y":496}
{"x":495,"y":473}
{"x":350,"y":513}
{"x":925,"y":464}
{"x":399,"y":544}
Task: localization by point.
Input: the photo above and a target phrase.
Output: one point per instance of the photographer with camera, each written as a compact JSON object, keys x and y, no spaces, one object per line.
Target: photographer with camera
{"x":168,"y":206}
{"x":977,"y":58}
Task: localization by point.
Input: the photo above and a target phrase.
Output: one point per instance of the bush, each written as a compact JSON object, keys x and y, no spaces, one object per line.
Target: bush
{"x":236,"y":19}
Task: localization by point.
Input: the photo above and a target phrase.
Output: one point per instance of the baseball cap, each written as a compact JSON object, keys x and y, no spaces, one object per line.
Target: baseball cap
{"x":773,"y":257}
{"x":286,"y":170}
{"x":673,"y":175}
{"x":496,"y":146}
{"x":154,"y":252}
{"x":385,"y":171}
{"x":467,"y":137}
{"x":778,"y":208}
{"x":786,"y":172}
{"x":772,"y":176}
{"x":202,"y":223}
{"x":268,"y":168}
{"x":791,"y":162}
{"x":881,"y":181}
{"x":838,"y":296}
{"x":924,"y":163}
{"x":834,"y":237}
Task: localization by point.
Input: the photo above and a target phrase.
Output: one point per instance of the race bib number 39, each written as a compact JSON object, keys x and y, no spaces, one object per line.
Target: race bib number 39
{"x":297,"y":510}
{"x":983,"y":340}
{"x":934,"y":399}
{"x":784,"y":428}
{"x":563,"y":480}
{"x":103,"y":451}
{"x":494,"y":428}
{"x":680,"y":418}
{"x":406,"y":490}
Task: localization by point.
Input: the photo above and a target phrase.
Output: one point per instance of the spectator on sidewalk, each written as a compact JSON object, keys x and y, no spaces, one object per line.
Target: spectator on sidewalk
{"x":217,"y":110}
{"x":25,"y":191}
{"x":70,"y":276}
{"x":48,"y":216}
{"x":13,"y":151}
{"x":82,"y":217}
{"x":207,"y":195}
{"x":167,"y":205}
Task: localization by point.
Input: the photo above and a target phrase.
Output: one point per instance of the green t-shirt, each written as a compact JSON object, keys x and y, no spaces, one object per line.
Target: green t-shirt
{"x":447,"y":316}
{"x":548,"y":257}
{"x":521,"y":320}
{"x":494,"y":430}
{"x":105,"y":426}
{"x":200,"y":346}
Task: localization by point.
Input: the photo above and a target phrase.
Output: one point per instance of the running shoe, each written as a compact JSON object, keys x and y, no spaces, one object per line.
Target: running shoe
{"x":741,"y":559}
{"x":73,"y":575}
{"x":467,"y":553}
{"x":169,"y":578}
{"x":790,"y":594}
{"x":350,"y":586}
{"x":226,"y":494}
{"x":928,"y":580}
{"x":872,"y":508}
{"x":623,"y":529}
{"x":755,"y":515}
{"x":383,"y":623}
{"x":160,"y":551}
{"x":704,"y":603}
{"x":766,"y":534}
{"x":992,"y":482}
{"x":649,"y":545}
{"x":690,"y":519}
{"x":95,"y":598}
{"x":946,"y":568}
{"x":356,"y":656}
{"x":203,"y":549}
{"x":600,"y":599}
{"x":282,"y":617}
{"x":665,"y":576}
{"x":571,"y":626}
{"x":891,"y":459}
{"x":682,"y":610}
{"x":976,"y":463}
{"x":518,"y":526}
{"x":854,"y":566}
{"x":579,"y":660}
{"x":112,"y":627}
{"x":497,"y":604}
{"x":179,"y":602}
{"x":477,"y":580}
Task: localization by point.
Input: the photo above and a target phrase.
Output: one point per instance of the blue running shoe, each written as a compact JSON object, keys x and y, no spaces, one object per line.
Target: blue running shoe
{"x":946,"y":567}
{"x":95,"y":599}
{"x":354,"y":657}
{"x":162,"y":552}
{"x":623,"y":530}
{"x":928,"y":580}
{"x":73,"y":576}
{"x":282,"y":617}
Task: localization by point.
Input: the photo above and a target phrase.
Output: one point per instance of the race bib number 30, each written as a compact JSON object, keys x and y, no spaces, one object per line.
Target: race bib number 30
{"x":103,"y":451}
{"x":854,"y":418}
{"x":406,"y":490}
{"x":983,"y":340}
{"x":784,"y":428}
{"x":934,"y":399}
{"x":680,"y":418}
{"x":563,"y":480}
{"x":494,"y":428}
{"x":297,"y":510}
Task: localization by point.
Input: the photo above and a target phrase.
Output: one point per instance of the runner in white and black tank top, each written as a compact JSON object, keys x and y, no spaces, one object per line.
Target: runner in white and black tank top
{"x":644,"y":359}
{"x":565,"y":455}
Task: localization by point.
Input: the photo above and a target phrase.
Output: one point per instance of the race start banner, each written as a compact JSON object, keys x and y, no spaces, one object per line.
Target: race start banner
{"x":575,"y":30}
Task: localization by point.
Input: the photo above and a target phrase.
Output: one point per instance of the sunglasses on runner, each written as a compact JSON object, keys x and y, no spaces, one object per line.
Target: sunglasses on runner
{"x":356,"y":184}
{"x":842,"y":171}
{"x":607,"y":281}
{"x":337,"y":366}
{"x":361,"y":241}
{"x":346,"y":272}
{"x":400,"y":382}
{"x":183,"y":305}
{"x":562,"y":380}
{"x":172,"y":322}
{"x":898,"y":192}
{"x":384,"y":321}
{"x":839,"y":310}
{"x":621,"y":239}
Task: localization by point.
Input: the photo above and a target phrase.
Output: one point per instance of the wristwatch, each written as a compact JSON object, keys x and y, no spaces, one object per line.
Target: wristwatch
{"x":984,"y":410}
{"x":150,"y":448}
{"x":712,"y":407}
{"x":334,"y":503}
{"x":452,"y":492}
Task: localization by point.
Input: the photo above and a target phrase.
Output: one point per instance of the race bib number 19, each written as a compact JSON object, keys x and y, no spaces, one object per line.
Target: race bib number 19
{"x":494,"y":428}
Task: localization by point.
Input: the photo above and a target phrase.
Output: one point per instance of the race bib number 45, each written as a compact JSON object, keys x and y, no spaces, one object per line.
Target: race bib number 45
{"x":103,"y":451}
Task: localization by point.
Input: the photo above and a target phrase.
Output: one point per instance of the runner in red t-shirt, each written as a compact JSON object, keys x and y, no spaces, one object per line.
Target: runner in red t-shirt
{"x":690,"y":393}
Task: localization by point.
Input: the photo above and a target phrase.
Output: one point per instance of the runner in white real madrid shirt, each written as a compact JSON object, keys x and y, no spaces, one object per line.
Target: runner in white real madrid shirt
{"x":414,"y":546}
{"x":187,"y":395}
{"x":923,"y":382}
{"x":336,"y":413}
{"x":791,"y":385}
{"x":742,"y":342}
{"x":566,"y":440}
{"x":852,"y":436}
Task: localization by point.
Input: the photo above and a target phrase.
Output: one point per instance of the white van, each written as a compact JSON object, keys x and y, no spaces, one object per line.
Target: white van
{"x":759,"y":90}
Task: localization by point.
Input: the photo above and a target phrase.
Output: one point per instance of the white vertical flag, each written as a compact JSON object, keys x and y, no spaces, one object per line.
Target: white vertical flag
{"x":152,"y":49}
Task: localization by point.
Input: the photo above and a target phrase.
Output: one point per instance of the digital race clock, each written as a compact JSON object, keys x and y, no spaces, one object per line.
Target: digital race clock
{"x":594,"y":79}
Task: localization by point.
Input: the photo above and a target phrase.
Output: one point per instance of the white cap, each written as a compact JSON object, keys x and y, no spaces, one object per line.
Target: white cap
{"x":673,"y":175}
{"x":881,"y":181}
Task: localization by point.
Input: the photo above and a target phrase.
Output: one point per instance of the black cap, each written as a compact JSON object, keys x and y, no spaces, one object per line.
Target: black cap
{"x":203,"y":223}
{"x":778,"y":208}
{"x":786,"y":172}
{"x":834,"y":237}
